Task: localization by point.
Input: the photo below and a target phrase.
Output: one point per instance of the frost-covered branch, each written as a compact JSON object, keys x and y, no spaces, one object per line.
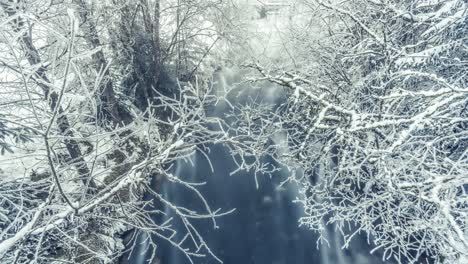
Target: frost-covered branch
{"x":383,"y":149}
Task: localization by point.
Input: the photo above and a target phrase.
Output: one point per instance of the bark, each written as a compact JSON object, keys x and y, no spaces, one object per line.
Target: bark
{"x":108,"y":104}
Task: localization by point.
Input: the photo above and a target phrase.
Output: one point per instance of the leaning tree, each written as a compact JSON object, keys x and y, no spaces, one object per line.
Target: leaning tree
{"x":92,"y":119}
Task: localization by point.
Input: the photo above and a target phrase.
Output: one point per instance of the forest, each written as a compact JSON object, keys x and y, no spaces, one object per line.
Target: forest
{"x":134,"y":131}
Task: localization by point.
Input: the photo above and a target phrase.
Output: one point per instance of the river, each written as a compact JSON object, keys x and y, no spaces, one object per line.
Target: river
{"x":263,"y":229}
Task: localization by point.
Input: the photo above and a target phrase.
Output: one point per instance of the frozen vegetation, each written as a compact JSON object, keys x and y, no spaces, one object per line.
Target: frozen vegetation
{"x":363,"y":107}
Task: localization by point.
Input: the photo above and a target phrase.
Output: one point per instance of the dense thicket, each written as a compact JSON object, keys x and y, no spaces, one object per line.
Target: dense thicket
{"x":93,"y":115}
{"x":377,"y":119}
{"x":99,"y":98}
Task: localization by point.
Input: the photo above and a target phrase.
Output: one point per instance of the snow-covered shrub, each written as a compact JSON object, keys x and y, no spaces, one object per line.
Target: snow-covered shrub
{"x":377,"y":118}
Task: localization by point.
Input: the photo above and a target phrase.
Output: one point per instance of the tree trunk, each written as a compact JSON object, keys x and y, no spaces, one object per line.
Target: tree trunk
{"x":108,"y":106}
{"x":44,"y":83}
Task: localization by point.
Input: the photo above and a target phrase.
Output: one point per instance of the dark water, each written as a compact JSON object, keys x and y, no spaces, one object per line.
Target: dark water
{"x":264,"y":227}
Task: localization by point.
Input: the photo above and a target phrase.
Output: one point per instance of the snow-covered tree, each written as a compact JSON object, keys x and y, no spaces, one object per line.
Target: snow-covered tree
{"x":376,"y":119}
{"x":92,"y":116}
{"x":84,"y":157}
